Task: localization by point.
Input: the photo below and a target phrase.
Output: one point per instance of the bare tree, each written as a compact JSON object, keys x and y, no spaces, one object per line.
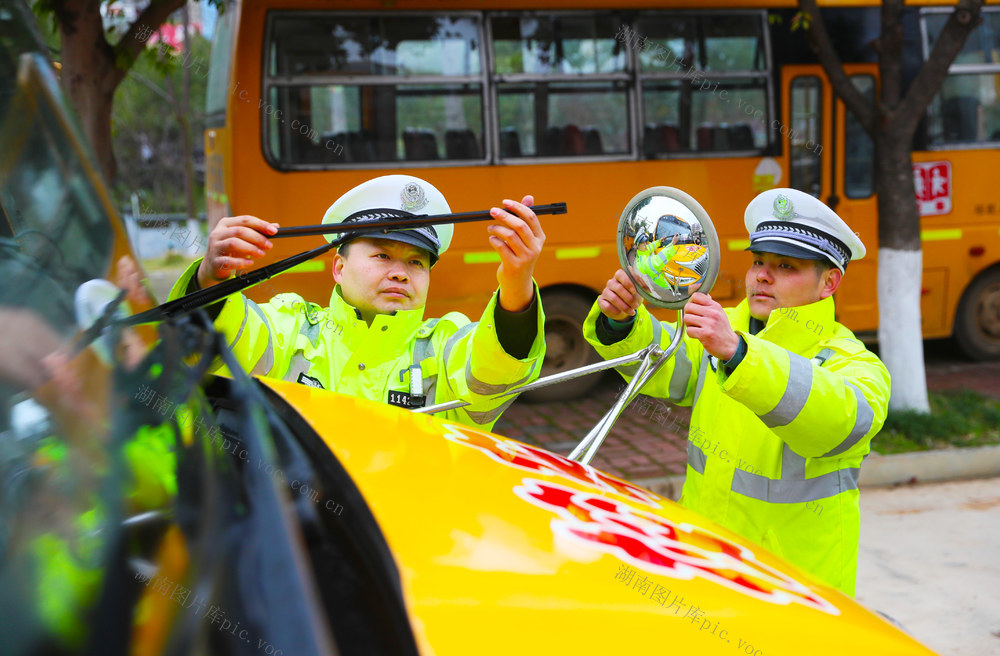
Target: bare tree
{"x":891,"y":121}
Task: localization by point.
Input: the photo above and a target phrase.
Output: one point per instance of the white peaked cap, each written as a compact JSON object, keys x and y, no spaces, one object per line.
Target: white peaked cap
{"x":395,"y":196}
{"x":793,"y":223}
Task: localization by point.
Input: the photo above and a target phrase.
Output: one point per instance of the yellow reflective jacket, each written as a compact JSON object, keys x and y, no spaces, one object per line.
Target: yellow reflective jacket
{"x":335,"y":349}
{"x":775,"y":448}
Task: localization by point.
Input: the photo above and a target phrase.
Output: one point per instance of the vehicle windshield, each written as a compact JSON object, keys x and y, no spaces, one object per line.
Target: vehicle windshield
{"x":63,"y":491}
{"x":58,"y":230}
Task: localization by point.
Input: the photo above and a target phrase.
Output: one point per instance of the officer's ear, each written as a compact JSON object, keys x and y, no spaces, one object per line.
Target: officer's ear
{"x":829,"y":282}
{"x":339,"y":259}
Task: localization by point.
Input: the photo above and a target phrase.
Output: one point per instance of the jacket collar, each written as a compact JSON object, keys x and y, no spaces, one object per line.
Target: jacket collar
{"x":390,"y":334}
{"x":796,"y":328}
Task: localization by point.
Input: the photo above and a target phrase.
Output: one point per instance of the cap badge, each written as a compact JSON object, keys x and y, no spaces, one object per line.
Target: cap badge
{"x":783,"y":208}
{"x":413,"y":197}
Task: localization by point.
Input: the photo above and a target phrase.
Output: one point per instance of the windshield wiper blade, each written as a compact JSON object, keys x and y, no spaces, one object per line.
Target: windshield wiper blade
{"x":205,"y":297}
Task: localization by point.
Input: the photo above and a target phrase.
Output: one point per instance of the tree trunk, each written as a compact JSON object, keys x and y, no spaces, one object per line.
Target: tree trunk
{"x":900,"y":270}
{"x":89,"y":75}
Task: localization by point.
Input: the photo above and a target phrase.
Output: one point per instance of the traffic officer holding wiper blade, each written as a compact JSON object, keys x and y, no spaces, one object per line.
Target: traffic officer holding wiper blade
{"x":785,"y":400}
{"x":372,"y":340}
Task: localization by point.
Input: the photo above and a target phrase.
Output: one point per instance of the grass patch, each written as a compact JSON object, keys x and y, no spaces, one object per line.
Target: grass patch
{"x":957,"y":419}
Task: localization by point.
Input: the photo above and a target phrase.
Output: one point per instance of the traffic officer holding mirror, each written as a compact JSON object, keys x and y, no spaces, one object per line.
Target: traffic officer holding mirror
{"x":372,"y":340}
{"x":786,"y":400}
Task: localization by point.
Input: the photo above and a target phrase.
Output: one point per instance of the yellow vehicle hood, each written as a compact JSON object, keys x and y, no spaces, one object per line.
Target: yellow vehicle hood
{"x":505,"y":548}
{"x":688,"y":264}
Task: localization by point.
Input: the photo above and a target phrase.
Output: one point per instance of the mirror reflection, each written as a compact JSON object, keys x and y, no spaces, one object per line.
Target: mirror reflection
{"x":665,"y":246}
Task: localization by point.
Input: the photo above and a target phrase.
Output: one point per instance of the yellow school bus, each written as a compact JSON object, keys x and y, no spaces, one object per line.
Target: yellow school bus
{"x":588,"y":103}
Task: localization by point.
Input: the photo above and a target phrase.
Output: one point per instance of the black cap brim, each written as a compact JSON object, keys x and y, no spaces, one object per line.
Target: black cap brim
{"x":405,"y":236}
{"x":786,"y":249}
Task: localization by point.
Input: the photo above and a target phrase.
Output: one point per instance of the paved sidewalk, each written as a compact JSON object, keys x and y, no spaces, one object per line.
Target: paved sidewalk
{"x":649,"y":440}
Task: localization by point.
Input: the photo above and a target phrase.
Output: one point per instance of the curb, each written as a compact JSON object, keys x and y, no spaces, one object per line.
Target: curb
{"x":884,"y":470}
{"x":926,"y":466}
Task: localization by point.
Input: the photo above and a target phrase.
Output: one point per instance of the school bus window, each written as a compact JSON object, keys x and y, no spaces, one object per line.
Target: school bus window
{"x":983,"y":44}
{"x":540,"y":112}
{"x":967,"y":108}
{"x":704,"y":83}
{"x":713,"y":42}
{"x":562,"y":119}
{"x":566,"y":43}
{"x":805,"y":135}
{"x":733,"y":43}
{"x":859,"y":156}
{"x":414,"y":92}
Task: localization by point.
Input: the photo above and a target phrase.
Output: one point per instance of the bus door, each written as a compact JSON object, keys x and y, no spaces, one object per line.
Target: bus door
{"x":826,"y":153}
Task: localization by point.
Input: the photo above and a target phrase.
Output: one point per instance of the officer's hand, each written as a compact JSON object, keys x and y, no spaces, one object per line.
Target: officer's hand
{"x":234,"y":243}
{"x":518,"y":239}
{"x":619,"y":300}
{"x":707,"y":322}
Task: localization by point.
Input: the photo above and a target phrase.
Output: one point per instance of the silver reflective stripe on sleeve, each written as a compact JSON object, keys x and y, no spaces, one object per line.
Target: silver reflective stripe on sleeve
{"x":483,"y":418}
{"x":630,"y":369}
{"x":796,"y":393}
{"x":266,"y":360}
{"x":701,"y":376}
{"x":862,"y":423}
{"x":454,"y":339}
{"x":681,"y":373}
{"x":696,"y":458}
{"x":239,"y":333}
{"x":487,"y":389}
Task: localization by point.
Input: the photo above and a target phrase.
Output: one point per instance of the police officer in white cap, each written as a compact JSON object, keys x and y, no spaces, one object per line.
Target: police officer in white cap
{"x":786,"y":400}
{"x":372,"y":340}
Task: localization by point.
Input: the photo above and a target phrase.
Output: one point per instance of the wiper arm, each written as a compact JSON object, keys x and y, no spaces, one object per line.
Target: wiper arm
{"x":92,"y":333}
{"x":205,"y":297}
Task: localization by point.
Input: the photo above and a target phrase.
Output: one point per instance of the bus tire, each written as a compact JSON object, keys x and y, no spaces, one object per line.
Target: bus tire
{"x":977,"y":321}
{"x":565,"y":347}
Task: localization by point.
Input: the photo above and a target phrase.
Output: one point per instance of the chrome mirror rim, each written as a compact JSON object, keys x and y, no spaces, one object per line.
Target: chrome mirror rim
{"x":705,"y":222}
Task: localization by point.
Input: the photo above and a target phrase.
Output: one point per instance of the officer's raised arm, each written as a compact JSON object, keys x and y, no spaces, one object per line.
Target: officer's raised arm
{"x":518,"y":238}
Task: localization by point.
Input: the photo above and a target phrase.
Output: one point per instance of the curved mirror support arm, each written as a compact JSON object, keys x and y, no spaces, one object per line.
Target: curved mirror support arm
{"x":655,"y":358}
{"x":552,"y":379}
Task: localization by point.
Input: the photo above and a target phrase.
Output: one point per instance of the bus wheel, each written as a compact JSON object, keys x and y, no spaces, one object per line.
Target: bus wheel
{"x":565,"y":347}
{"x":977,"y":323}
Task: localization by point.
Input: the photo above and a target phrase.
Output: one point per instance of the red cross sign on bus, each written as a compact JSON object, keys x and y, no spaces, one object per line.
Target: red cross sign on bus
{"x":933,"y":185}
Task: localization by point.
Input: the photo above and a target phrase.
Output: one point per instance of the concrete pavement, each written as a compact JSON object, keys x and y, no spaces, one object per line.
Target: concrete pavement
{"x":929,"y":559}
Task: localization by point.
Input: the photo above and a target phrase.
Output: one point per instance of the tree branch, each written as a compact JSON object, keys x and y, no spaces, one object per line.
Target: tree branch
{"x":149,"y":84}
{"x":151,"y":18}
{"x":966,"y":17}
{"x":820,"y":42}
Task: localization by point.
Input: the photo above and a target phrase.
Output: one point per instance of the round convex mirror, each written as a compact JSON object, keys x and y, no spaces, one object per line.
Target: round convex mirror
{"x":668,"y":246}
